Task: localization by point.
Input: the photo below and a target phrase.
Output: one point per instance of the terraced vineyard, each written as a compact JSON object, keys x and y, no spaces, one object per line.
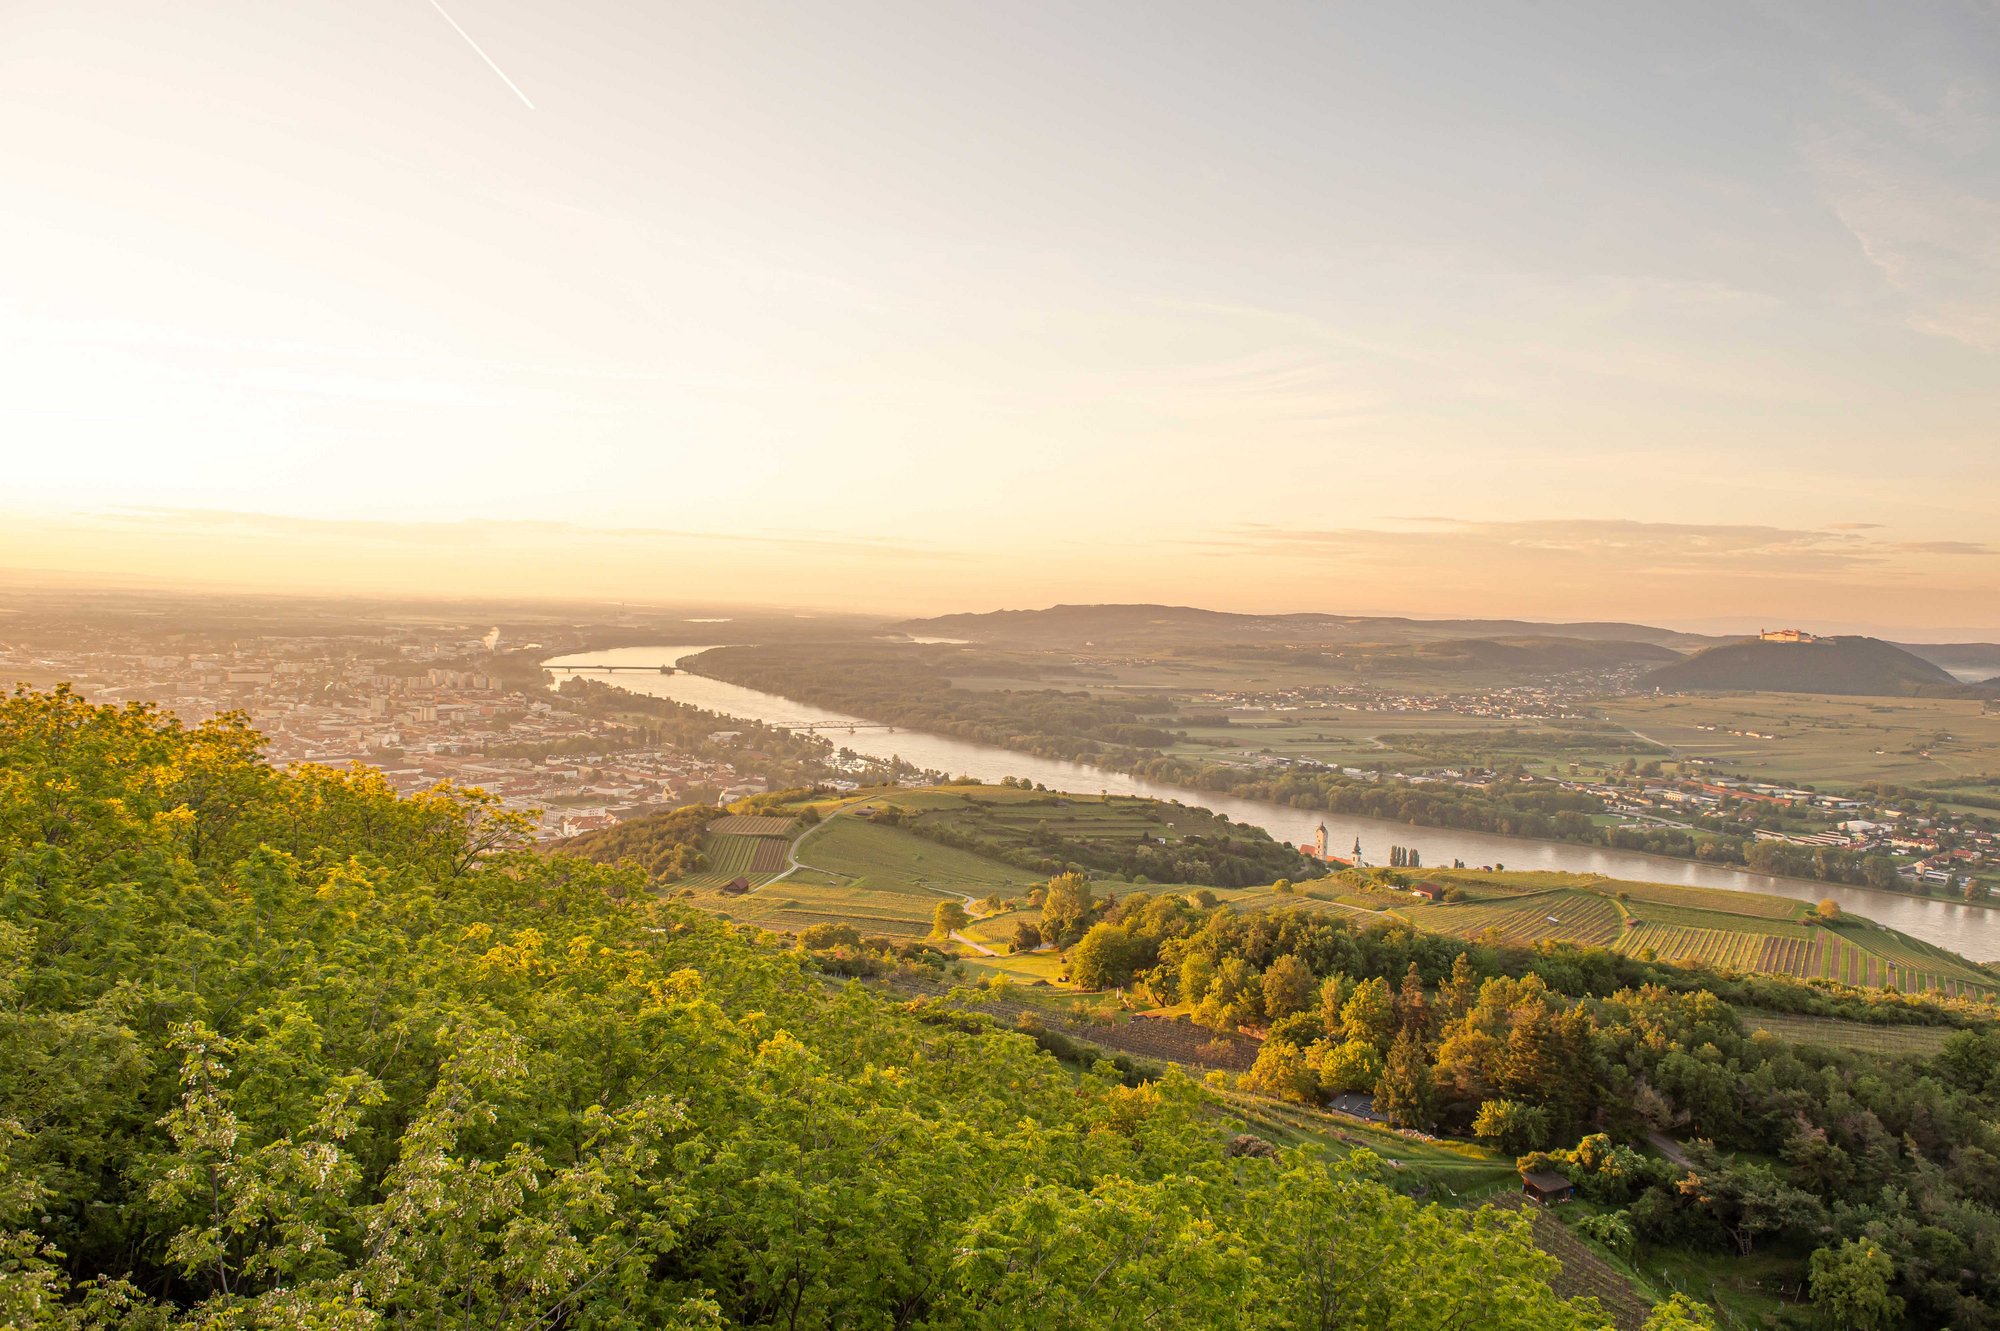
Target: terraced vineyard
{"x":1909,"y":1041}
{"x":1564,"y":914}
{"x":1727,"y":931}
{"x":729,"y":857}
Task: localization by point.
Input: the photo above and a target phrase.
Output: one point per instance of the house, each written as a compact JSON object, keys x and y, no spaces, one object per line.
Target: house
{"x":1547,"y":1187}
{"x":1429,"y":891}
{"x":736,"y":886}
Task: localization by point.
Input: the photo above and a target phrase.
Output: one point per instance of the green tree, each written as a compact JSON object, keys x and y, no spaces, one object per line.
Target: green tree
{"x":1850,"y":1287}
{"x":1678,"y":1312}
{"x":1282,"y":1071}
{"x":1369,"y":1015}
{"x":1351,"y":1067}
{"x":1404,"y":1092}
{"x":1513,"y":1128}
{"x":1288,"y":987}
{"x":1067,"y":905}
{"x":948,"y":918}
{"x":1106,"y":956}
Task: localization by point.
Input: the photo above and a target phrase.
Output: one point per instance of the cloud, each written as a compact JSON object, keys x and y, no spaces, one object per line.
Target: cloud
{"x":485,"y":533}
{"x":1945,"y":548}
{"x":1600,"y":546}
{"x":1916,"y":190}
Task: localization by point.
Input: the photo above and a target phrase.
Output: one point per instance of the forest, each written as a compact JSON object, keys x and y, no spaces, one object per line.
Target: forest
{"x":1884,"y":1172}
{"x":282,"y":1049}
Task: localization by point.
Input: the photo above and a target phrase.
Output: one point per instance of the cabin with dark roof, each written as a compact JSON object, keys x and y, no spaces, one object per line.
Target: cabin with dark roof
{"x":1547,"y":1187}
{"x":736,"y":887}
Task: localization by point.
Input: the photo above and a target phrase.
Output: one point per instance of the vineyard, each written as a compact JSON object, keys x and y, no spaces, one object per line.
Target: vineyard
{"x":1740,"y":932}
{"x":753,"y":825}
{"x":732,"y":857}
{"x":1907,"y":1041}
{"x":1566,"y":915}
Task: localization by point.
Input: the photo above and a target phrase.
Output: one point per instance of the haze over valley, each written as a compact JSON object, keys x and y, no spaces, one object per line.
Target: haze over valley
{"x":954,"y":667}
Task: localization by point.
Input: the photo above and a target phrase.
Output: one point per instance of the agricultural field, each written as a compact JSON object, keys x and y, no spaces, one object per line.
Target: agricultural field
{"x":870,"y":854}
{"x":881,"y":880}
{"x":1730,"y":931}
{"x":1861,"y":1036}
{"x":1566,"y":915}
{"x":1831,"y":743}
{"x":754,"y":824}
{"x":729,"y":857}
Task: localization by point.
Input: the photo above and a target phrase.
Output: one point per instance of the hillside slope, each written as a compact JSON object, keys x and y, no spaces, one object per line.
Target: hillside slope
{"x":284,"y":1049}
{"x":1828,"y":665}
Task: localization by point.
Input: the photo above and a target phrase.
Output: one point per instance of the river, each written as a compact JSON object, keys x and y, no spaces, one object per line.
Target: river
{"x":1970,"y":931}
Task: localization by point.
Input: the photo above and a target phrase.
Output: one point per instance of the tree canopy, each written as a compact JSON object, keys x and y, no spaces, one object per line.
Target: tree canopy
{"x":285,"y":1049}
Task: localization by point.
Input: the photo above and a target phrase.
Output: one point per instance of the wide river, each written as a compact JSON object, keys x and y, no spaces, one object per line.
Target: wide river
{"x":1971,"y":931}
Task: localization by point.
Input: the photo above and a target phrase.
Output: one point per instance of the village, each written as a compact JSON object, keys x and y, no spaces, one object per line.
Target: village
{"x":406,"y":704}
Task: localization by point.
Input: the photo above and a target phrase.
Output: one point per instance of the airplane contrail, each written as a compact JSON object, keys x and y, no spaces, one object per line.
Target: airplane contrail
{"x":482,"y":55}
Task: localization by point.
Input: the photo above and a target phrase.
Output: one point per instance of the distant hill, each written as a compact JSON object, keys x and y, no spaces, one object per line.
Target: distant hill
{"x":1966,"y":660}
{"x":1828,"y":665}
{"x":1534,"y":655}
{"x":1099,"y":625}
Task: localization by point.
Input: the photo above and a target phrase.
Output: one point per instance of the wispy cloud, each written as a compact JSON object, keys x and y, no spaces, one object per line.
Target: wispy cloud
{"x":1600,"y":546}
{"x":1915,"y":188}
{"x":494,"y":534}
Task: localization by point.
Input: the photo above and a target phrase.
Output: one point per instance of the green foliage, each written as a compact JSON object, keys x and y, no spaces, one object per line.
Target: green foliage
{"x":1850,"y":1287}
{"x":666,"y":845}
{"x":948,"y":918}
{"x":1679,"y":1313}
{"x":283,"y":1049}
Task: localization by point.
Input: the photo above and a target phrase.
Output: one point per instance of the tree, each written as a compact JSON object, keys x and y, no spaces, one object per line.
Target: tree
{"x":1106,"y":956}
{"x":1281,"y":1070}
{"x":1027,"y":936}
{"x":1369,"y":1015}
{"x":1288,"y":986}
{"x":1352,"y":1067}
{"x":1613,"y":1229}
{"x":1828,"y":909}
{"x":948,"y":918}
{"x":1850,"y":1287}
{"x":1679,"y":1313}
{"x":1458,"y":993}
{"x":1413,"y":1011}
{"x":1513,"y":1128}
{"x":1404,"y":1091}
{"x":1067,"y":906}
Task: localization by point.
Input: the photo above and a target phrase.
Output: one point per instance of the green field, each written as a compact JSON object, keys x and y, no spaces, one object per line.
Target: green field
{"x":881,"y":880}
{"x":1826,"y":742}
{"x":869,"y":854}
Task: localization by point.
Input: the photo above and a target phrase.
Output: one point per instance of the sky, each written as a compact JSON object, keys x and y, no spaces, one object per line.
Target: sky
{"x":1682,"y":313}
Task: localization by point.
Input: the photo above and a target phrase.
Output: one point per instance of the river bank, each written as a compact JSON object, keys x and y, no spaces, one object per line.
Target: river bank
{"x":1971,"y":931}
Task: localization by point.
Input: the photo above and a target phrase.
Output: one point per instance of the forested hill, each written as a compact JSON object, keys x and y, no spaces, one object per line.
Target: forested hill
{"x":285,"y":1050}
{"x":1078,"y":625}
{"x":1864,"y":666}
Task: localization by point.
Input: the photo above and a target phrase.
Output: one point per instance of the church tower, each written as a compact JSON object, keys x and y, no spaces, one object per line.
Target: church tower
{"x":1319,"y":841}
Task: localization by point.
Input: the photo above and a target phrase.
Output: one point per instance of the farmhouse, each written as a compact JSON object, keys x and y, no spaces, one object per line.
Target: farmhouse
{"x":1429,"y":891}
{"x":736,"y":886}
{"x":1547,"y":1187}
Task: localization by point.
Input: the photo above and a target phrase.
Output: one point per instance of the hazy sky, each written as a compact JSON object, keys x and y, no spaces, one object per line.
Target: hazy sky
{"x":1688,"y":313}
